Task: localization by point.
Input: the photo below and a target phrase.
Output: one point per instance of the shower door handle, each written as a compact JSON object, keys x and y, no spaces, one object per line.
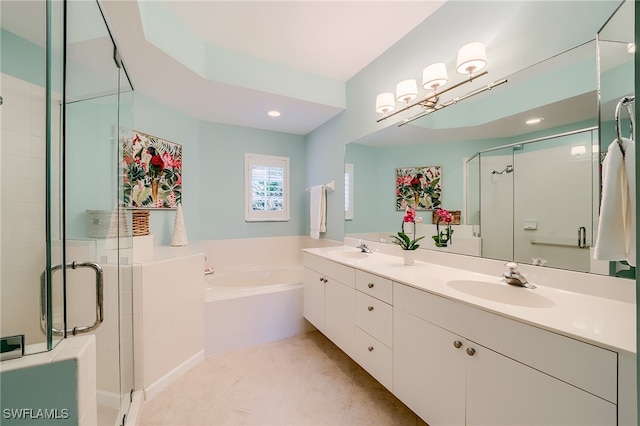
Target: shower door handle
{"x":582,"y":237}
{"x":99,"y":299}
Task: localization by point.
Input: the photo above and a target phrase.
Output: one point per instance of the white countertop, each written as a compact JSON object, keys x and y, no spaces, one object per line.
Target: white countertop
{"x":604,"y":322}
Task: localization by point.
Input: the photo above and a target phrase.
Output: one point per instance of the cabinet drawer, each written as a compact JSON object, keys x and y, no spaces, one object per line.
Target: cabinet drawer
{"x":583,"y":365}
{"x":375,"y":317}
{"x":378,"y":287}
{"x":337,"y":271}
{"x":374,"y":357}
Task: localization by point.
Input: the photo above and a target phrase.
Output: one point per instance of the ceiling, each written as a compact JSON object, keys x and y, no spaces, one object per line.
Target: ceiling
{"x":233,"y":61}
{"x":320,"y":42}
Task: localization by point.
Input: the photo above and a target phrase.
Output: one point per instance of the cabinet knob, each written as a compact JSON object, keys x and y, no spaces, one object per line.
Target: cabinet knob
{"x":370,"y":308}
{"x":370,"y":348}
{"x":471,"y":351}
{"x":457,"y":344}
{"x":370,"y":285}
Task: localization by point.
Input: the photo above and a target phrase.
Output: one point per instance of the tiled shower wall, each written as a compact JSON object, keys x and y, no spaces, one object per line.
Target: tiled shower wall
{"x":22,"y":207}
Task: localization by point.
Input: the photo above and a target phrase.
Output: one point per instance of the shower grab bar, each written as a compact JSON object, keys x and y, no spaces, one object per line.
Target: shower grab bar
{"x":99,"y":299}
{"x":552,"y":244}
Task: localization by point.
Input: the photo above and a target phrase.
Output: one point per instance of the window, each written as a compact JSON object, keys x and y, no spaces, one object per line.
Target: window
{"x":266,"y":188}
{"x":348,"y":191}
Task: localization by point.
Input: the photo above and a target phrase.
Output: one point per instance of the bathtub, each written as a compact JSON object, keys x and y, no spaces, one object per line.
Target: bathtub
{"x":249,"y":307}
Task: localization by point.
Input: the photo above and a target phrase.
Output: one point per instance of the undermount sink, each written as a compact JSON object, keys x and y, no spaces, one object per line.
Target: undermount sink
{"x":502,"y":293}
{"x":349,"y":254}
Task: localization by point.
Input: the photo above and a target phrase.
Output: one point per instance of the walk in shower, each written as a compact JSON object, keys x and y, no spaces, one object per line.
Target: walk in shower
{"x":536,"y":201}
{"x":66,"y":250}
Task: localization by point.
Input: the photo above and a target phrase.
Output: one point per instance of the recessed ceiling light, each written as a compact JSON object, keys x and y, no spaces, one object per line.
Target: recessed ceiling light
{"x":274,"y":113}
{"x":534,"y":120}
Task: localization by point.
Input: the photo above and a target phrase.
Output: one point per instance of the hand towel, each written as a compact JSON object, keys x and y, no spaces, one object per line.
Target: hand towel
{"x":317,"y":220}
{"x":612,"y":241}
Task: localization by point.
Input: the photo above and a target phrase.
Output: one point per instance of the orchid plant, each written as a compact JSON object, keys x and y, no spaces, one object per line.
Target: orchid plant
{"x":402,"y":239}
{"x":443,"y":238}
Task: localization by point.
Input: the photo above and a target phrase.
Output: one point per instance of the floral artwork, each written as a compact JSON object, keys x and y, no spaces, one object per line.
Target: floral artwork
{"x":152,"y":172}
{"x":418,"y":187}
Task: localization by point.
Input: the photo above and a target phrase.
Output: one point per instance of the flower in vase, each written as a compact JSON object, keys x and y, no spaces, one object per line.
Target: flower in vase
{"x":402,"y":239}
{"x":443,"y":238}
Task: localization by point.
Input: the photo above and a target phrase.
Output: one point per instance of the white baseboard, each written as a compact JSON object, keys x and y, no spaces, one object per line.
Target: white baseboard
{"x":164,"y":381}
{"x":135,"y":410}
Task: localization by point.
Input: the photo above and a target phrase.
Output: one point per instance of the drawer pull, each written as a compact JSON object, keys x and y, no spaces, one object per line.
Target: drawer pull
{"x":457,"y":344}
{"x":370,"y":308}
{"x":370,"y":285}
{"x":471,"y":351}
{"x":322,"y":279}
{"x":370,"y":348}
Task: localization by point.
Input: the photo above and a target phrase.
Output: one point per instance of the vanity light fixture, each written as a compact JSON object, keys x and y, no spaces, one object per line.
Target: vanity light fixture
{"x":273,"y":113}
{"x":472,"y":59}
{"x":532,"y":121}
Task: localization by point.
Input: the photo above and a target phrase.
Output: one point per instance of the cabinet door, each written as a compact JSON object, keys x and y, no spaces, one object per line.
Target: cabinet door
{"x":501,"y":391}
{"x":428,"y":370}
{"x":314,"y":298}
{"x":340,"y":312}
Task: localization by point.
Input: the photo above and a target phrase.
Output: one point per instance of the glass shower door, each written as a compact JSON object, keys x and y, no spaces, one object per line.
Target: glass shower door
{"x":553,"y":217}
{"x":31,"y":187}
{"x":496,"y":203}
{"x":98,"y":115}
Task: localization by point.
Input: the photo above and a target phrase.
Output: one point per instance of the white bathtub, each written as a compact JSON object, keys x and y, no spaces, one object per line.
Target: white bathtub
{"x":240,"y":282}
{"x":249,"y":307}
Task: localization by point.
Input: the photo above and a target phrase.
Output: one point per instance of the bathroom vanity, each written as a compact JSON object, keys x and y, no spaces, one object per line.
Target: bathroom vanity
{"x":459,"y":347}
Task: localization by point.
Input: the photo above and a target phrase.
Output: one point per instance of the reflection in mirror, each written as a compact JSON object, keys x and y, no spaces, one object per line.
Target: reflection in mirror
{"x":616,"y":48}
{"x":538,"y":195}
{"x":561,"y":91}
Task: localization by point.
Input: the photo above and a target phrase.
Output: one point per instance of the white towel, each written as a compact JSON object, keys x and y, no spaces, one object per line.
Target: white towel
{"x":630,"y":218}
{"x":616,"y":226}
{"x":318,"y":212}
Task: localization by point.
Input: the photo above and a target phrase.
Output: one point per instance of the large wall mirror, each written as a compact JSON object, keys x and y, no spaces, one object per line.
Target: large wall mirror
{"x":525,"y":192}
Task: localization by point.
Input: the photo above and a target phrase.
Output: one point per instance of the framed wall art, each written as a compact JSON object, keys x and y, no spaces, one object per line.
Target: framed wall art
{"x":419,"y":187}
{"x":152,"y":172}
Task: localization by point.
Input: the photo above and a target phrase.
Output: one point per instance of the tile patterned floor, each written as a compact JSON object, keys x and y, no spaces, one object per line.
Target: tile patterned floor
{"x":303,"y":380}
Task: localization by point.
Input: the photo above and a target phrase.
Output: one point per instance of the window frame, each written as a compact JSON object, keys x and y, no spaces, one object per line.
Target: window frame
{"x":349,"y":189}
{"x":260,"y":160}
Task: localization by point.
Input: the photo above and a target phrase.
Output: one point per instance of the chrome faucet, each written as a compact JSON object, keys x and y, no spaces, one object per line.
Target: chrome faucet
{"x":363,"y":247}
{"x":513,"y":277}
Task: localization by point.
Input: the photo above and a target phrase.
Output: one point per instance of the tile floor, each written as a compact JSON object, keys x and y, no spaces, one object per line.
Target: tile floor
{"x":302,"y":380}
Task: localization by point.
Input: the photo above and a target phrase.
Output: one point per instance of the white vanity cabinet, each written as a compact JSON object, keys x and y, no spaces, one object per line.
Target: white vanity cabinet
{"x":455,"y":364}
{"x":329,"y":300}
{"x":374,"y":326}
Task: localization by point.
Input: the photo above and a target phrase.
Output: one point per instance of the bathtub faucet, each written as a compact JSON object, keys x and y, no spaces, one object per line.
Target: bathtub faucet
{"x":362,"y":246}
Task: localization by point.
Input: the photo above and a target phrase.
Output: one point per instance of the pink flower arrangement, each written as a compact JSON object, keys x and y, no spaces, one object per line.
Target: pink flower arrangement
{"x":444,"y":215}
{"x":443,"y":238}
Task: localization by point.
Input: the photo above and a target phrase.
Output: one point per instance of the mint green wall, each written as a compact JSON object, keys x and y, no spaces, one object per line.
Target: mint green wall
{"x":21,"y":58}
{"x":49,"y":386}
{"x":375,"y":200}
{"x":91,"y":175}
{"x":374,"y":197}
{"x":221,"y":195}
{"x":213,"y":174}
{"x":157,"y":119}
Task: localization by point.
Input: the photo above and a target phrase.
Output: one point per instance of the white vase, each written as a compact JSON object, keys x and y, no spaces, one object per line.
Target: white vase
{"x":409,"y":257}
